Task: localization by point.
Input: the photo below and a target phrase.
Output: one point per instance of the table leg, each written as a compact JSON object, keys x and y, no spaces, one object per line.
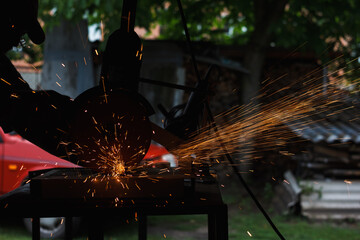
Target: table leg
{"x":222,"y":223}
{"x":68,"y":228}
{"x":211,"y":226}
{"x":36,"y":228}
{"x":142,"y":226}
{"x":95,"y":227}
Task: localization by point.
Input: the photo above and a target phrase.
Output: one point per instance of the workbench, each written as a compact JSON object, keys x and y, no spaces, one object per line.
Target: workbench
{"x":197,"y":198}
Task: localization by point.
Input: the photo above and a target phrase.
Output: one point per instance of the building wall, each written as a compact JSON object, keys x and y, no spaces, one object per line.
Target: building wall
{"x":33,"y":79}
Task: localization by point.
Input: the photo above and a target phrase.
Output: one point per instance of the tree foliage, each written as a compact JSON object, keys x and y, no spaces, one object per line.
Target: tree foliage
{"x":320,"y":23}
{"x":95,"y":11}
{"x":320,"y":26}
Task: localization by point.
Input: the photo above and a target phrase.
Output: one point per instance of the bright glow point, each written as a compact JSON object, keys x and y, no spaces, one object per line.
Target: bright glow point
{"x":231,"y":31}
{"x":347,"y":182}
{"x":94,"y":32}
{"x":119,"y":167}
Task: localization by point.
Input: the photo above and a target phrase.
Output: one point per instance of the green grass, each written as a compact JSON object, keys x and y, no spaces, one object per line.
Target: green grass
{"x":12,"y":228}
{"x":294,"y":228}
{"x":179,"y":222}
{"x":240,"y":221}
{"x":243,"y":218}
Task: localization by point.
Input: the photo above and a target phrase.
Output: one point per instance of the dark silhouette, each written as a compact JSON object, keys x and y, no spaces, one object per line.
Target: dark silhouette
{"x":35,"y":115}
{"x":84,"y":129}
{"x":111,"y":117}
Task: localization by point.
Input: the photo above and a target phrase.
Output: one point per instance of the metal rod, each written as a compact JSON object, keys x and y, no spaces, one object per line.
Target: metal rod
{"x":188,"y":40}
{"x":165,"y":84}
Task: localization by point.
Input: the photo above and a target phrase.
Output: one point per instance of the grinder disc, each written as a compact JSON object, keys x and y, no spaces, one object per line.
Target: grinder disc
{"x":111,"y":131}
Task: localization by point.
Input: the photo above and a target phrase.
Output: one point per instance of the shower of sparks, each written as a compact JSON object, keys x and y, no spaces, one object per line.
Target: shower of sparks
{"x":111,"y":160}
{"x":248,"y":122}
{"x":108,"y":150}
{"x":268,"y":123}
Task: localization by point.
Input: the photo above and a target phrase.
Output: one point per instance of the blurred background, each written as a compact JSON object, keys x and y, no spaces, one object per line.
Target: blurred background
{"x":304,"y":166}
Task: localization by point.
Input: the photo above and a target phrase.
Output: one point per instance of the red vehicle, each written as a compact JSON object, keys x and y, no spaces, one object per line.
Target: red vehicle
{"x":19,"y":156}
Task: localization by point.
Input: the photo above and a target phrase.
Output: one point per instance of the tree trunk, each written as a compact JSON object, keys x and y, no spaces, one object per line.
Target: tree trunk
{"x":267,"y":13}
{"x":68,"y":65}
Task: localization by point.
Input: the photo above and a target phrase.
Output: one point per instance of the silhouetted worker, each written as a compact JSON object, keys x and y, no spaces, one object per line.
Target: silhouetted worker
{"x":109,"y":120}
{"x":17,"y":99}
{"x":53,"y":121}
{"x":39,"y":116}
{"x":106,"y":123}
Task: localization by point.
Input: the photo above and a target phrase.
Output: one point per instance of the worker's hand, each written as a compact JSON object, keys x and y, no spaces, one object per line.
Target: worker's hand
{"x":19,"y":17}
